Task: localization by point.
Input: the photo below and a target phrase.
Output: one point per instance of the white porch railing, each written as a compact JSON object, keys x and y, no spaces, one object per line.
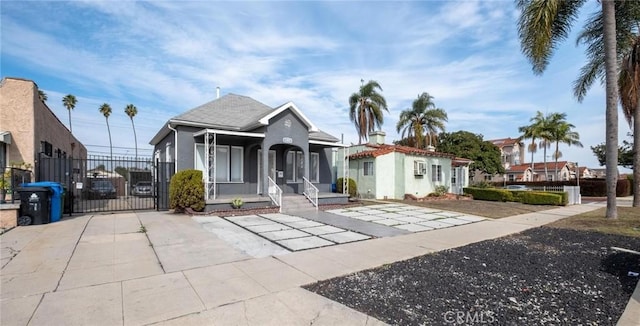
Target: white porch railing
{"x":275,"y":193}
{"x":311,"y":192}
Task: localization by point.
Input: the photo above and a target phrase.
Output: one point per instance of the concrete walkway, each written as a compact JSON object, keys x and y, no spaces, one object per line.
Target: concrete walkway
{"x":148,"y":268}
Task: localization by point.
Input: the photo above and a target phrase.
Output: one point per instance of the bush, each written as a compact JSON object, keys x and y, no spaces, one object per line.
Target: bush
{"x":624,"y":188}
{"x":440,"y":191}
{"x":541,"y":198}
{"x":353,"y":188}
{"x":482,"y":184}
{"x":187,"y":190}
{"x":490,"y":194}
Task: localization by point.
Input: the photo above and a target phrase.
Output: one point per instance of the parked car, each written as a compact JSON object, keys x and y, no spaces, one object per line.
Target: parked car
{"x":101,"y":189}
{"x":143,"y":188}
{"x":518,"y":187}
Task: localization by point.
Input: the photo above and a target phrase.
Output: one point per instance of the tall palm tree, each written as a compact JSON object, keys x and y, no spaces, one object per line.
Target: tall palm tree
{"x":365,"y":109}
{"x":542,"y":26}
{"x":131,"y":111}
{"x":627,"y":39}
{"x":423,"y":116}
{"x":105,"y":109}
{"x":534,"y":131}
{"x":69,"y":102}
{"x":629,"y":82}
{"x":42,"y":95}
{"x":563,"y":133}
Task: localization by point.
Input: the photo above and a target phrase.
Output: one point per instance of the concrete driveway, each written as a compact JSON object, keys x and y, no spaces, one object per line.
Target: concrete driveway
{"x":151,"y":267}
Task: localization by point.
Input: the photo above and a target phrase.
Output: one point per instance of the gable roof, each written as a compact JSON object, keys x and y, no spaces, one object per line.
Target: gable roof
{"x":538,"y":166}
{"x":502,"y":142}
{"x":234,"y":112}
{"x":384,"y":149}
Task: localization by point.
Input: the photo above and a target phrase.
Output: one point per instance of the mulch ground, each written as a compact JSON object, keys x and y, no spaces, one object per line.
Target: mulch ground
{"x":543,"y":276}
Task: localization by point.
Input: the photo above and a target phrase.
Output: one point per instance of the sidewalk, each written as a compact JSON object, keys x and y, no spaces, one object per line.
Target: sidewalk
{"x":102,"y":270}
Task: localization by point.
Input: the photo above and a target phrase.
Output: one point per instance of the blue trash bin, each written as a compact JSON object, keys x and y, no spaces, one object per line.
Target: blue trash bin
{"x":56,"y":198}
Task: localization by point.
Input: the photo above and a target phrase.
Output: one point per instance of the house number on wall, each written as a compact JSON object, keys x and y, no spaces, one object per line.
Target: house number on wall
{"x":287,"y":140}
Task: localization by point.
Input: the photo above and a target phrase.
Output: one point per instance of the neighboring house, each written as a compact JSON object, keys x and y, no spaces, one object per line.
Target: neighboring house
{"x":28,"y":127}
{"x":241,"y":145}
{"x":520,"y":172}
{"x":584,"y":172}
{"x":384,"y":171}
{"x":511,"y":151}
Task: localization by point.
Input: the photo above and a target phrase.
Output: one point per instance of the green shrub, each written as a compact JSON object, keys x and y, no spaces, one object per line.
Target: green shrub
{"x":565,"y":197}
{"x":489,"y":194}
{"x":440,"y":191}
{"x":482,"y":184}
{"x":237,"y":203}
{"x":187,"y":190}
{"x":541,"y":198}
{"x":353,"y":189}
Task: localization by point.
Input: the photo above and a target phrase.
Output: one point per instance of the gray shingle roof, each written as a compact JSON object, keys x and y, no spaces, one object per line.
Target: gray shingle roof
{"x":229,"y":112}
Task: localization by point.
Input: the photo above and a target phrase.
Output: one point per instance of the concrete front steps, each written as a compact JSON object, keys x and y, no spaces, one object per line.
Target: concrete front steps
{"x":296,"y":203}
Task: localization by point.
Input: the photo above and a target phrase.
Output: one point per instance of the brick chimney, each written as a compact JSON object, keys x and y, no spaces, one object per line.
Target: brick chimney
{"x":377,"y":137}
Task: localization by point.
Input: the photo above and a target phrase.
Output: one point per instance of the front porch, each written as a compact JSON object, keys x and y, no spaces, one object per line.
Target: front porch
{"x":223,"y":202}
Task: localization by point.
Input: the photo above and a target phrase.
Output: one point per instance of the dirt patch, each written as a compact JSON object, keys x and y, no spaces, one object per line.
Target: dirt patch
{"x":627,"y":223}
{"x":490,"y":209}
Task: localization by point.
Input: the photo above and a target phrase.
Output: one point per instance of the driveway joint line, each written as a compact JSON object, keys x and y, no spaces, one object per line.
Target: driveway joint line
{"x":146,"y":234}
{"x":72,"y":253}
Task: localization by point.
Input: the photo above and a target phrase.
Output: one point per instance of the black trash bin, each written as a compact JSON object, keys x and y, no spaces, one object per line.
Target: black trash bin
{"x":35,"y":205}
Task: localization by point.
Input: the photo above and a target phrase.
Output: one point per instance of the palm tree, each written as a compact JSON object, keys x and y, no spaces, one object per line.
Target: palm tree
{"x":629,"y":82}
{"x":131,"y":111}
{"x":534,"y":131}
{"x":542,"y":26}
{"x":422,"y":116}
{"x":365,"y":109}
{"x":627,"y":39}
{"x":42,"y":95}
{"x":69,"y":102}
{"x":105,"y":109}
{"x":563,"y":133}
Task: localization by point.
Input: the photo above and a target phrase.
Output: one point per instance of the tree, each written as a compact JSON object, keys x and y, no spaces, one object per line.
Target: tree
{"x":423,"y":115}
{"x":42,"y":96}
{"x":105,"y":109}
{"x":563,"y":133}
{"x":485,"y":155}
{"x":131,"y":111}
{"x":533,"y":132}
{"x":627,"y":15}
{"x":625,"y":154}
{"x":365,"y":109}
{"x":541,"y":27}
{"x":69,"y":102}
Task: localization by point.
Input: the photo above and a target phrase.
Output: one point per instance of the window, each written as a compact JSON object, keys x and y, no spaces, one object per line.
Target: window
{"x":512,"y":177}
{"x":488,"y":177}
{"x":419,"y":168}
{"x":295,"y":166}
{"x":314,"y":168}
{"x":229,"y":164}
{"x":46,"y":148}
{"x":453,"y":176}
{"x":198,"y":161}
{"x":436,"y":172}
{"x":550,"y":177}
{"x":368,"y":168}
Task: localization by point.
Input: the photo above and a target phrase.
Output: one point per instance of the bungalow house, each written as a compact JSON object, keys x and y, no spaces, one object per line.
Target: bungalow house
{"x":384,"y":171}
{"x":521,"y":172}
{"x":244,"y":147}
{"x":524,"y":172}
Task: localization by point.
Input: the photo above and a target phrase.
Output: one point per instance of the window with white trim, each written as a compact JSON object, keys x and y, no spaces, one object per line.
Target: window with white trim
{"x":294,"y":166}
{"x":368,"y":168}
{"x":314,"y":167}
{"x":436,"y":173}
{"x":488,"y":177}
{"x":419,"y":168}
{"x":512,"y":177}
{"x":229,"y":163}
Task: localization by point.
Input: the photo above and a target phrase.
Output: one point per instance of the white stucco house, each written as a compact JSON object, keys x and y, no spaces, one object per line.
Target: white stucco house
{"x":383,"y":171}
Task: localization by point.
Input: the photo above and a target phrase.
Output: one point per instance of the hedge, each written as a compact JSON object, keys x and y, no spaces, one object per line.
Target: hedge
{"x":491,"y":194}
{"x":541,"y":198}
{"x":186,"y":189}
{"x":525,"y":197}
{"x":588,"y":187}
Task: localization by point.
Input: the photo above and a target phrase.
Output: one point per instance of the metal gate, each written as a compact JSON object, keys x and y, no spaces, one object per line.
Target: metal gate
{"x":103,"y":184}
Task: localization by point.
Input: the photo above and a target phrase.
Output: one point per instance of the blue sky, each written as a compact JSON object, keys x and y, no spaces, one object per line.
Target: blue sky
{"x":168,"y":57}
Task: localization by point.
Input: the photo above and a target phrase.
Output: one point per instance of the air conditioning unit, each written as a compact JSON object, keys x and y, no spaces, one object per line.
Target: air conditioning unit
{"x":419,"y":168}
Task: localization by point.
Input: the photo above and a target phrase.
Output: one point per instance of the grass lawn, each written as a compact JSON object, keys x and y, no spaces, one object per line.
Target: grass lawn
{"x":490,"y":209}
{"x":628,"y":222}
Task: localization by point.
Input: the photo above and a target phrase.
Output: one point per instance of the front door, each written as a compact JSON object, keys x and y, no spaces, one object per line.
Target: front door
{"x":271,"y":167}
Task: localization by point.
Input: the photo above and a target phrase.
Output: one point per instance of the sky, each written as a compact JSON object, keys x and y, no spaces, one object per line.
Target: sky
{"x":168,"y":57}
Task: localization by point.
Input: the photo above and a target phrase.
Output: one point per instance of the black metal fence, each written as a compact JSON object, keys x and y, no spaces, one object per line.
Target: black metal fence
{"x":103,"y":184}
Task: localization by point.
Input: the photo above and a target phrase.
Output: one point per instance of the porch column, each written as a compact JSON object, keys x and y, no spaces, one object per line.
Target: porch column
{"x":265,"y":169}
